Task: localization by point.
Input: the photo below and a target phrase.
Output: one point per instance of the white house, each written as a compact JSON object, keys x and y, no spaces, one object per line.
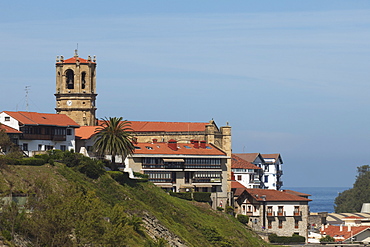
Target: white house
{"x":246,"y":173}
{"x":41,"y":131}
{"x":271,"y":165}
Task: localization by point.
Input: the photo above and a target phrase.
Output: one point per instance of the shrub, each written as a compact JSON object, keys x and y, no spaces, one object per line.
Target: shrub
{"x":229,"y":210}
{"x":244,"y":219}
{"x":220,"y":209}
{"x":182,"y":195}
{"x":202,"y":196}
{"x":273,"y":238}
{"x":120,"y":177}
{"x":327,"y":239}
{"x":30,"y":161}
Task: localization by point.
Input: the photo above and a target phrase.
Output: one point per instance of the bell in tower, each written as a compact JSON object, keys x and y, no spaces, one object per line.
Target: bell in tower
{"x":75,"y":88}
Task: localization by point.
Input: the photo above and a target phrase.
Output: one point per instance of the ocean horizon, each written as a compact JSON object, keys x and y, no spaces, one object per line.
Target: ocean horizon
{"x":322,"y":197}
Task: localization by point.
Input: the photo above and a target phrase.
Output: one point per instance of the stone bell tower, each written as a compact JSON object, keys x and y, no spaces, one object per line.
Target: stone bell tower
{"x":76,"y":88}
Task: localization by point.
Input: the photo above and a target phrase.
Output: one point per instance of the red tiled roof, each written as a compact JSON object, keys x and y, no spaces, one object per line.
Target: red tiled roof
{"x":353,"y":217}
{"x":250,"y":157}
{"x":35,"y":118}
{"x":236,"y":184}
{"x":9,"y":130}
{"x":237,"y":162}
{"x":272,"y":156}
{"x":274,"y":195}
{"x":296,"y":193}
{"x":75,"y":59}
{"x":338,"y":235}
{"x":86,"y":132}
{"x":183,"y":149}
{"x":148,"y":126}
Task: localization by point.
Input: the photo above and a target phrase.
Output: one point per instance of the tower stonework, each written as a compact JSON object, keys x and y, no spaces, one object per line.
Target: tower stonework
{"x":76,"y":89}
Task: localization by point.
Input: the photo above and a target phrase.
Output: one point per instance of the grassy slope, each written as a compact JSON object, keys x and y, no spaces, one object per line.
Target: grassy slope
{"x":190,"y":221}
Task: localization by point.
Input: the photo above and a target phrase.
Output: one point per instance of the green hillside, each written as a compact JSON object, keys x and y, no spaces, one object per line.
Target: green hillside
{"x":70,"y":209}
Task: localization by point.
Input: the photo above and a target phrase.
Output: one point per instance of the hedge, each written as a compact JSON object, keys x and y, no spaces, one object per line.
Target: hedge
{"x":182,"y":195}
{"x":30,"y":161}
{"x":273,"y":238}
{"x":202,"y":196}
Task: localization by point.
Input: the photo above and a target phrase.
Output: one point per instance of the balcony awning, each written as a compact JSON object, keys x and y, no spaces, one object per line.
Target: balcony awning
{"x":174,"y":160}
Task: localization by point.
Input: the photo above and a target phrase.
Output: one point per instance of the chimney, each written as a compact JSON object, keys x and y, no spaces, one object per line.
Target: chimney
{"x":322,"y":227}
{"x":203,"y":144}
{"x":155,"y":140}
{"x":172,"y":144}
{"x":232,"y":176}
{"x":349,"y":228}
{"x":196,"y":144}
{"x":341,"y":227}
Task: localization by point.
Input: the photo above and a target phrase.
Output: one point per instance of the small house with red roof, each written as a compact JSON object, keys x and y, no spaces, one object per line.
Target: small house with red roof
{"x":246,"y":173}
{"x":40,"y":131}
{"x":272,"y":210}
{"x":347,"y":234}
{"x":182,"y":167}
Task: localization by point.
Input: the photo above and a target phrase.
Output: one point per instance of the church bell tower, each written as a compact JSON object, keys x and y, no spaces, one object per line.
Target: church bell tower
{"x":76,"y":89}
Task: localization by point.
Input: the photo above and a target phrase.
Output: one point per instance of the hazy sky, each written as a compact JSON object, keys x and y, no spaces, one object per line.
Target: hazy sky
{"x":290,"y":77}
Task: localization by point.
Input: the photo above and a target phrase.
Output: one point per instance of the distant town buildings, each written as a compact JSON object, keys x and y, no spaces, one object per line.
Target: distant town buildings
{"x":176,"y":156}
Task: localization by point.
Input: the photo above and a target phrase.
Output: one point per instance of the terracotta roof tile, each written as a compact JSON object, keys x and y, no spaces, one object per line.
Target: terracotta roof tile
{"x":86,"y":132}
{"x":274,"y":195}
{"x":272,"y":156}
{"x":9,"y":130}
{"x":236,"y":185}
{"x":239,"y":163}
{"x":338,"y":235}
{"x":183,"y":149}
{"x":296,"y":193}
{"x":35,"y":118}
{"x":75,"y":59}
{"x":149,"y":126}
{"x":250,"y":157}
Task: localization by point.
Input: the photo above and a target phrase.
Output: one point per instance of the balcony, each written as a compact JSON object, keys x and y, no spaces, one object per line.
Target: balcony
{"x":281,"y":213}
{"x":270,"y":214}
{"x":43,"y":137}
{"x":297,"y":213}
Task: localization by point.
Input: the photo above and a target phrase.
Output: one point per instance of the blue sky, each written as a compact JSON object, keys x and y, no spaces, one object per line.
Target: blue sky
{"x":290,"y":77}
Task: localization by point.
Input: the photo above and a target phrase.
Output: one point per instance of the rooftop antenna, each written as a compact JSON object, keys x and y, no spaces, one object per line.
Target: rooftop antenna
{"x":27,"y":88}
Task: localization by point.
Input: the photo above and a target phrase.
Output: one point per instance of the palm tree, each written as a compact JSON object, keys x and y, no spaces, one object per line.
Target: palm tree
{"x":114,"y":137}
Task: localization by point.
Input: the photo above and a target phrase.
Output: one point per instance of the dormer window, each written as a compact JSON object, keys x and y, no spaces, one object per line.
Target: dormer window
{"x":7,"y":118}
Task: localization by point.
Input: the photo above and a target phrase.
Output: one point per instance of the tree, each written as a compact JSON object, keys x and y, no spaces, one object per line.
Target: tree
{"x":351,"y":200}
{"x":114,"y":137}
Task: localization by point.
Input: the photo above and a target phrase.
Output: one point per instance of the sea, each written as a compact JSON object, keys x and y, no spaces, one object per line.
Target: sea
{"x":322,"y":197}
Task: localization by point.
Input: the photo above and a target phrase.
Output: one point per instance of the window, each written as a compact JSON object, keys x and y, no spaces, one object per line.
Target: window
{"x":266,"y":168}
{"x":40,"y":147}
{"x":69,"y":132}
{"x":296,"y":223}
{"x":239,"y":177}
{"x":280,"y":224}
{"x":281,"y":211}
{"x":25,"y":147}
{"x":296,"y":211}
{"x":269,"y":224}
{"x":83,"y":80}
{"x":266,"y":179}
{"x":269,"y":211}
{"x":63,"y":147}
{"x":7,"y":118}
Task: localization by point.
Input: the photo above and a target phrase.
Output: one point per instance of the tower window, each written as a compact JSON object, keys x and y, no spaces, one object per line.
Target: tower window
{"x":83,"y":80}
{"x":70,"y":79}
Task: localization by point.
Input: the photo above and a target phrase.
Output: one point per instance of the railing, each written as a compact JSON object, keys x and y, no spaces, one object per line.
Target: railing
{"x":270,"y":214}
{"x":281,"y":213}
{"x":43,"y":137}
{"x":297,"y":213}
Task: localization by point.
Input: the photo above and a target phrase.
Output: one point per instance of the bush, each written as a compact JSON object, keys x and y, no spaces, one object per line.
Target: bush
{"x":202,"y":196}
{"x":30,"y":161}
{"x":244,"y":219}
{"x":182,"y":195}
{"x":120,"y":177}
{"x":273,"y":238}
{"x":327,"y":239}
{"x":229,"y":210}
{"x":220,"y":209}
